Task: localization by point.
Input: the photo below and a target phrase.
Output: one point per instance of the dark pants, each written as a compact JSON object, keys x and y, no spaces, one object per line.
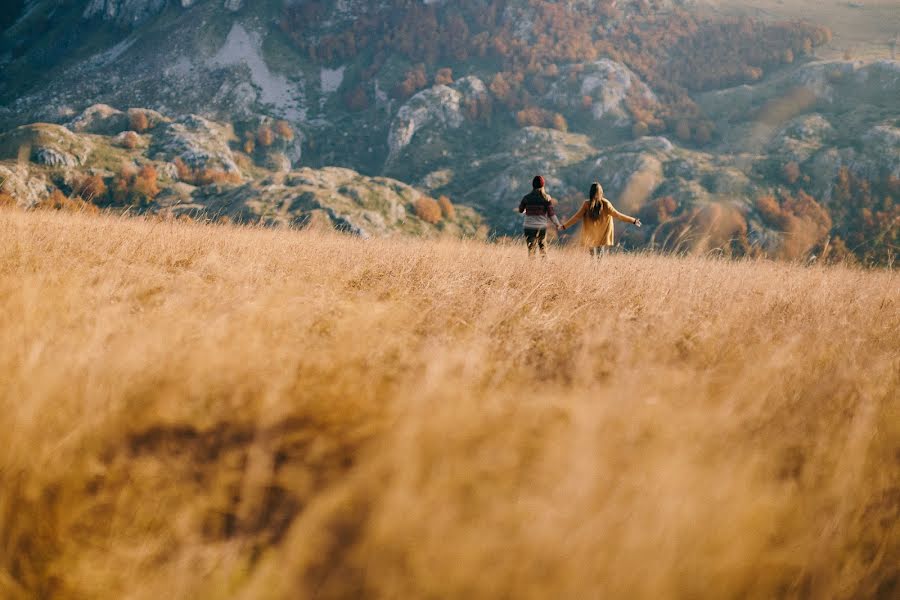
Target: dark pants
{"x":535,"y":236}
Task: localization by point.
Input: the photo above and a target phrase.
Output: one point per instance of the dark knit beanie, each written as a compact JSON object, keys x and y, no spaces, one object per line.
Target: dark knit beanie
{"x":537,"y":182}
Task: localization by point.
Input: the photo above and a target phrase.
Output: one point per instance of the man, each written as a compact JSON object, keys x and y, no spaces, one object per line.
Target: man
{"x":539,"y":213}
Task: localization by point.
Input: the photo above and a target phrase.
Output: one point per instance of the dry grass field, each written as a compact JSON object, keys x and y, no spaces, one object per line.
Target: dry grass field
{"x":207,"y":412}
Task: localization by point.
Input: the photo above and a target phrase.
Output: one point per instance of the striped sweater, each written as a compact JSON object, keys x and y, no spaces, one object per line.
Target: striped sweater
{"x":538,"y":209}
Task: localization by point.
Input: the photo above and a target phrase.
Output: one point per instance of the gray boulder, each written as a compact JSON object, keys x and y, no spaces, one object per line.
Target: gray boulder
{"x":199,"y":142}
{"x":100,"y":119}
{"x":608,"y":84}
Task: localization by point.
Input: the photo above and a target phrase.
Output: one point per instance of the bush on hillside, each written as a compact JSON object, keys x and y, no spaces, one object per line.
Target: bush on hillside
{"x":443,"y":76}
{"x":265,"y":137}
{"x":447,"y":208}
{"x":135,"y":186}
{"x":428,"y":210}
{"x":791,"y":172}
{"x":59,"y":201}
{"x":284,"y":130}
{"x":206,"y":175}
{"x":91,"y":188}
{"x":138,"y":121}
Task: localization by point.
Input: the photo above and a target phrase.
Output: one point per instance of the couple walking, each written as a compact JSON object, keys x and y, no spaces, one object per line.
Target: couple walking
{"x":597,"y":214}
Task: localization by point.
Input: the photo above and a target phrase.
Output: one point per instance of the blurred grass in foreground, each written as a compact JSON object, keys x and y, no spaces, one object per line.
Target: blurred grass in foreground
{"x":210,"y":412}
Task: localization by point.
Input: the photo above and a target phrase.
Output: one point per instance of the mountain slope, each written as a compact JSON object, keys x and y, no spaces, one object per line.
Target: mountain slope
{"x":470,"y":99}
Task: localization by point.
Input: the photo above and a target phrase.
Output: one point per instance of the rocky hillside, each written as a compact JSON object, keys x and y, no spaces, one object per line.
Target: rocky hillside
{"x":196,"y":168}
{"x":723,"y":134}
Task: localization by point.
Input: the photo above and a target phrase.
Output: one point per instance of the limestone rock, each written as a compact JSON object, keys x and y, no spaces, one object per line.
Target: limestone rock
{"x":123,"y":12}
{"x":332,"y":197}
{"x":53,"y":158}
{"x":52,"y":145}
{"x":199,"y":142}
{"x":26,"y":187}
{"x":100,"y":119}
{"x":607,"y":83}
{"x":436,"y":109}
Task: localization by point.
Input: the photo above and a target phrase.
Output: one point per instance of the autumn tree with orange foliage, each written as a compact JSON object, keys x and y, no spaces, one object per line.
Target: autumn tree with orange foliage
{"x":428,"y":210}
{"x":791,"y":172}
{"x":533,"y":116}
{"x":135,"y":186}
{"x":867,"y":214}
{"x":138,"y":121}
{"x":91,"y":188}
{"x":443,"y":76}
{"x":205,"y":175}
{"x":804,"y":223}
{"x":130,"y":140}
{"x":669,"y":54}
{"x":249,"y":145}
{"x":284,"y":130}
{"x":59,"y":201}
{"x":447,"y":208}
{"x":265,"y":137}
{"x":414,"y":81}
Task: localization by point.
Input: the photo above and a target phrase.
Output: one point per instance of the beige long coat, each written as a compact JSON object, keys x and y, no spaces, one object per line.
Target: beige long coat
{"x":598,"y":232}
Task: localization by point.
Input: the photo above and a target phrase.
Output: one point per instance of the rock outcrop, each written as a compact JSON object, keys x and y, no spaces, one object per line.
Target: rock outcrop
{"x":124,"y":12}
{"x":199,"y":142}
{"x":99,"y":118}
{"x":44,"y":143}
{"x":36,"y":159}
{"x":607,"y":84}
{"x":434,"y":110}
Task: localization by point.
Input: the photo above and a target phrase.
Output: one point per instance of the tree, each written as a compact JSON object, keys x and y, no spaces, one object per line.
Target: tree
{"x":640,"y":129}
{"x":130,"y":140}
{"x":144,"y":185}
{"x":357,"y":100}
{"x":428,"y":210}
{"x":184,"y":172}
{"x":447,"y":208}
{"x":91,"y":188}
{"x":559,"y":123}
{"x":531,"y":117}
{"x":500,"y":87}
{"x":138,"y":121}
{"x":59,"y":201}
{"x":703,"y":133}
{"x":284,"y":131}
{"x":791,"y":172}
{"x":264,"y":136}
{"x":443,"y":77}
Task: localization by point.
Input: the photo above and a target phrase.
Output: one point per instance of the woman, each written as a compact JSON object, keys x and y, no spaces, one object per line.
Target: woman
{"x":598,"y":214}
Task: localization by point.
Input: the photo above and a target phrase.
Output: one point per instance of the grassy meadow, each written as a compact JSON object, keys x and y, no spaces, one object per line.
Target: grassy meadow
{"x":203,"y":412}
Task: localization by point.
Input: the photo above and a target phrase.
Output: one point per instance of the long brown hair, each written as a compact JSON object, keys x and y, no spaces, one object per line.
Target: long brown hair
{"x":595,"y":201}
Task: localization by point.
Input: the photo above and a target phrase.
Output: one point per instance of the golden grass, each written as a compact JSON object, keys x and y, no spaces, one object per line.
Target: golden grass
{"x":208,"y":412}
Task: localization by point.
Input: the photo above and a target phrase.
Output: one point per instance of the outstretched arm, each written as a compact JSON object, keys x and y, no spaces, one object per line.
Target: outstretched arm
{"x":616,"y":214}
{"x":575,"y":217}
